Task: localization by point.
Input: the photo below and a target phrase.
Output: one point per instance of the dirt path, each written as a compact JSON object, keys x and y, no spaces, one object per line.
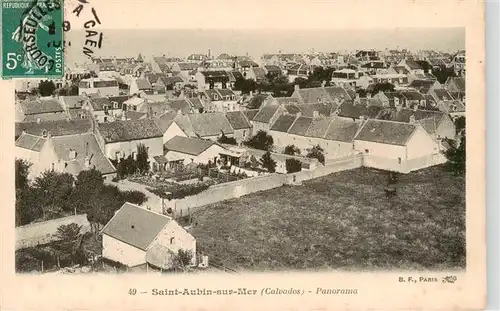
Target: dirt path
{"x":153,"y":202}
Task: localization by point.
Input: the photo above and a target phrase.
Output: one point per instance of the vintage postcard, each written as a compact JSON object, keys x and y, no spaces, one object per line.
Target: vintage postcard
{"x":227,"y":155}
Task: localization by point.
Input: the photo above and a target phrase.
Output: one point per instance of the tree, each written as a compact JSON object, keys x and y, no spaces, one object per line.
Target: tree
{"x":456,"y":155}
{"x":88,"y":184}
{"x":460,"y":125}
{"x":142,"y":158}
{"x":46,"y":88}
{"x":245,"y":86}
{"x":442,"y":74}
{"x":316,"y":152}
{"x":28,"y":206}
{"x":293,"y":165}
{"x":268,"y":163}
{"x":54,"y":190}
{"x":291,"y":150}
{"x":261,"y":141}
{"x":182,"y":260}
{"x":22,"y":172}
{"x":383,"y":87}
{"x":68,"y":239}
{"x":223,"y":139}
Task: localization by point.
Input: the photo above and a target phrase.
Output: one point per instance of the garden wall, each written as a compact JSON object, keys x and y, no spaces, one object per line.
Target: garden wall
{"x":333,"y":166}
{"x":43,"y":232}
{"x":223,"y":192}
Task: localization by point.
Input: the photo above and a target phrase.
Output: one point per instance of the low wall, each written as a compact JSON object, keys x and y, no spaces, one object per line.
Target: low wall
{"x":225,"y":191}
{"x":405,"y":166}
{"x":333,"y":166}
{"x":43,"y":232}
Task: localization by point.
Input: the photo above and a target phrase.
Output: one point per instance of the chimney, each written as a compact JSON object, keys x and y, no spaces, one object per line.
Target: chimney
{"x":415,"y":107}
{"x":296,"y":87}
{"x":88,"y":161}
{"x":72,"y":154}
{"x":315,"y":114}
{"x":299,"y":114}
{"x":323,"y":83}
{"x":38,"y":120}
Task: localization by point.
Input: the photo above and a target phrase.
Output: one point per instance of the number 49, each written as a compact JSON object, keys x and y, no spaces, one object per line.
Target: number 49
{"x":12,"y":59}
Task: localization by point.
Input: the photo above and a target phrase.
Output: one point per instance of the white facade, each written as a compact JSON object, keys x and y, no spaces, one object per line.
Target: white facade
{"x":176,"y":238}
{"x":172,"y":131}
{"x":125,"y":148}
{"x":103,"y":87}
{"x":121,"y":252}
{"x":211,"y":154}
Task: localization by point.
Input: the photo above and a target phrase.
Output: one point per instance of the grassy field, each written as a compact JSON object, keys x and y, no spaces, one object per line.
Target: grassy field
{"x":341,"y":221}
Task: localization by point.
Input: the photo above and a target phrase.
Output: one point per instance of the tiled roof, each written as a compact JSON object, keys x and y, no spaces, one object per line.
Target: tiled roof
{"x":84,"y":145}
{"x":459,"y":82}
{"x":342,"y":130}
{"x":386,"y":132}
{"x":135,"y":226}
{"x":171,"y":80}
{"x":292,"y":108}
{"x":73,"y":102}
{"x":119,"y":99}
{"x":413,"y":95}
{"x":266,"y":113}
{"x":250,"y":113}
{"x":443,"y":94}
{"x":195,"y":102}
{"x":134,"y":115}
{"x":192,"y":146}
{"x":179,"y":104}
{"x":40,"y":106}
{"x":237,"y":120}
{"x":143,"y":84}
{"x":318,"y":127}
{"x":55,"y":128}
{"x":412,"y":64}
{"x":283,"y":123}
{"x":98,"y":103}
{"x":31,"y":142}
{"x":129,"y":130}
{"x":287,"y":100}
{"x":300,"y":126}
{"x":165,"y":120}
{"x":210,"y":124}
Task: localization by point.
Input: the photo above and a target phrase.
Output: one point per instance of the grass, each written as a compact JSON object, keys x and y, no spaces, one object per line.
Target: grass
{"x":341,"y":221}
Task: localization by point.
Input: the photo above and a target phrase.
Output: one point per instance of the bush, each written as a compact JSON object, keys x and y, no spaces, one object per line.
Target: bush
{"x":261,"y":141}
{"x":316,"y":152}
{"x":227,"y":140}
{"x":293,"y":165}
{"x":171,"y":191}
{"x":134,"y":196}
{"x":291,"y":150}
{"x":268,"y":163}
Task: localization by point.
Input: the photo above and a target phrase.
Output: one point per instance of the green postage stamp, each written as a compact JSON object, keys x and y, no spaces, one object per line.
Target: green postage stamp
{"x":32,"y":38}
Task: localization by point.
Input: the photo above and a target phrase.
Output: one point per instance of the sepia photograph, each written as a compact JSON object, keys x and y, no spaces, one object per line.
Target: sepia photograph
{"x":199,"y":152}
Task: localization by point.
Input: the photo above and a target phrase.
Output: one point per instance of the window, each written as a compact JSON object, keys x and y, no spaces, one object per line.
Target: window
{"x":134,"y":155}
{"x":172,"y":240}
{"x":115,"y":105}
{"x":44,"y":133}
{"x":367,"y":151}
{"x":117,"y":155}
{"x":244,"y":133}
{"x":399,"y":160}
{"x":105,"y":119}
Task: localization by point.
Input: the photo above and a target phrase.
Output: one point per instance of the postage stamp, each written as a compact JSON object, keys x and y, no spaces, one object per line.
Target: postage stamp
{"x":32,"y":34}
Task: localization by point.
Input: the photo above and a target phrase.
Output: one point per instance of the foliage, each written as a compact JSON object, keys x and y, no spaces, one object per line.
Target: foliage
{"x":126,"y":166}
{"x":54,"y":189}
{"x":71,"y":90}
{"x":443,"y":74}
{"x":172,"y":191}
{"x":293,"y":165}
{"x":291,"y":150}
{"x":22,"y":172}
{"x":223,"y":139}
{"x":316,"y":152}
{"x":268,"y":163}
{"x":383,"y":87}
{"x":460,"y":125}
{"x":182,"y":260}
{"x":46,"y":88}
{"x":69,"y":238}
{"x":134,"y":196}
{"x":142,"y":163}
{"x":456,"y":155}
{"x":261,"y":141}
{"x":245,"y":86}
{"x":28,"y":208}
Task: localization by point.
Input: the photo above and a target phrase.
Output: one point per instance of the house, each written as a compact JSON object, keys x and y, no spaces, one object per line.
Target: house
{"x":186,"y":150}
{"x":184,"y":69}
{"x":210,"y":125}
{"x":197,"y":58}
{"x":397,"y":146}
{"x":455,"y":85}
{"x":102,"y":109}
{"x":55,"y":128}
{"x":212,"y":80}
{"x":66,"y":154}
{"x":136,"y":236}
{"x":459,"y":63}
{"x":169,"y":125}
{"x":266,"y":116}
{"x":396,"y":79}
{"x":438,"y":124}
{"x":296,"y":70}
{"x":220,"y":100}
{"x":273,"y":70}
{"x":172,"y":83}
{"x":454,"y":108}
{"x":39,"y":109}
{"x":413,"y":98}
{"x":119,"y":139}
{"x":256,"y":73}
{"x":372,"y":66}
{"x":240,"y":124}
{"x":141,"y":85}
{"x":424,"y":86}
{"x":441,"y":94}
{"x":331,"y":94}
{"x":411,"y":66}
{"x":100,"y":86}
{"x":244,"y":64}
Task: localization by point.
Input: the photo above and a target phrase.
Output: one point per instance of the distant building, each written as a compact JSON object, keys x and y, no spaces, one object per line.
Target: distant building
{"x":101,"y":86}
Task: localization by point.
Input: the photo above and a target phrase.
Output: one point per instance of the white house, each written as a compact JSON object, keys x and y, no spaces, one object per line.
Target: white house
{"x":136,"y":236}
{"x":397,"y":146}
{"x":120,"y":139}
{"x":186,"y":150}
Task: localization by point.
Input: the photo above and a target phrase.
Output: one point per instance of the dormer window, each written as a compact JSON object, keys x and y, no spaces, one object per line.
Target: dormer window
{"x":115,"y":105}
{"x":44,"y":134}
